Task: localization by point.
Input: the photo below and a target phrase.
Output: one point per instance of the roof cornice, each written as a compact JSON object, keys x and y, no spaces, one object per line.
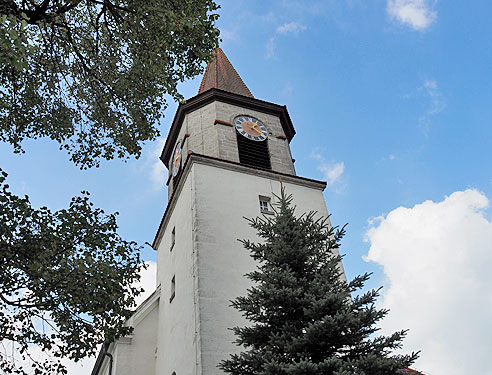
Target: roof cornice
{"x":230,"y":165}
{"x":212,"y":95}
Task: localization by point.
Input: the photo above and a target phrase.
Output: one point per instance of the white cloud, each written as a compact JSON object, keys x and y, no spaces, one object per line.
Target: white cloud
{"x":270,"y":48}
{"x":437,"y":104}
{"x":286,"y":28}
{"x":437,"y":101}
{"x":332,"y":172}
{"x":414,"y":13}
{"x":270,"y":17}
{"x":292,"y":27}
{"x":147,"y":281}
{"x":287,"y":90}
{"x":228,"y":34}
{"x":390,"y":157}
{"x":158,"y":170}
{"x":436,"y":257}
{"x":316,"y":154}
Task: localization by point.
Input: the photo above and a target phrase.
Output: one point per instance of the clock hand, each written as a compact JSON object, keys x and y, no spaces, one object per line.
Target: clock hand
{"x":255,"y":126}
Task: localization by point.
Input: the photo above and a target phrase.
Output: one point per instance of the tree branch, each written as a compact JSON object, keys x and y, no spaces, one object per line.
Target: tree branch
{"x":16,"y":304}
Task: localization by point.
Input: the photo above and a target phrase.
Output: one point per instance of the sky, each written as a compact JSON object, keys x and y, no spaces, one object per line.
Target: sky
{"x":392,"y":104}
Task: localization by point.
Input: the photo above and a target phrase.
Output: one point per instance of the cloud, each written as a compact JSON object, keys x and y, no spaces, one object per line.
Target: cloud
{"x":437,"y":104}
{"x":414,"y":13}
{"x":158,"y":171}
{"x":147,"y":281}
{"x":316,"y":154}
{"x":436,"y":257}
{"x":390,"y":157}
{"x":270,"y":48}
{"x":270,"y":17}
{"x":150,"y":165}
{"x":228,"y":34}
{"x":292,"y":27}
{"x":286,"y":28}
{"x":332,"y":171}
{"x":287,"y":90}
{"x":437,"y":101}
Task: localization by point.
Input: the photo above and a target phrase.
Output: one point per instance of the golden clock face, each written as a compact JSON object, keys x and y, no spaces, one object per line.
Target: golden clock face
{"x":177,"y":159}
{"x":251,"y":128}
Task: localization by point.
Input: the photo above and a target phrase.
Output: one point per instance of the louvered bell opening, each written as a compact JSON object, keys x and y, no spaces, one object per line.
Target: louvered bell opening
{"x":253,"y":153}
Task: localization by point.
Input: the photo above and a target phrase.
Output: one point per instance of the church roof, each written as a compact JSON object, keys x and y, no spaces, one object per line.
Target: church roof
{"x":220,"y":74}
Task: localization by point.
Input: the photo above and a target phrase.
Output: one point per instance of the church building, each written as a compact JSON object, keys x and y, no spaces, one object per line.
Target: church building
{"x":227,"y":154}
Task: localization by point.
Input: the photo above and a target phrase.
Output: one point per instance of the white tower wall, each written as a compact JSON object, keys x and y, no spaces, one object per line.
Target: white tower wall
{"x":208,"y":262}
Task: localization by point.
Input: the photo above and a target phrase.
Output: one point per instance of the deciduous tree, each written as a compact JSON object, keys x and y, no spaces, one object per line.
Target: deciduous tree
{"x":67,"y":282}
{"x":92,"y":75}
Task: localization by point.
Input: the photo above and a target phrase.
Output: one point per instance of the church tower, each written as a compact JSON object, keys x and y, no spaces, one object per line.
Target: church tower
{"x":228,"y":154}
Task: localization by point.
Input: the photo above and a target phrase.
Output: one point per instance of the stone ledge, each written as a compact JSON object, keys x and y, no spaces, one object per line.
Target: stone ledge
{"x":230,"y":165}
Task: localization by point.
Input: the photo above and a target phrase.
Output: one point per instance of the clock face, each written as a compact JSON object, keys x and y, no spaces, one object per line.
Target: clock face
{"x":251,"y":128}
{"x":177,"y":159}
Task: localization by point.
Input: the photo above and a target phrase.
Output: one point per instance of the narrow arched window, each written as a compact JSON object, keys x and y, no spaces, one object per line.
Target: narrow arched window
{"x":173,"y":288}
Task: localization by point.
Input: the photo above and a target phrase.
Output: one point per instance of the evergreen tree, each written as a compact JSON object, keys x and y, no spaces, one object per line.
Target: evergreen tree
{"x":303,"y":317}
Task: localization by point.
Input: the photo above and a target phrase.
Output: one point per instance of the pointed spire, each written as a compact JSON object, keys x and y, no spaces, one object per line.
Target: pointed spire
{"x":220,"y":74}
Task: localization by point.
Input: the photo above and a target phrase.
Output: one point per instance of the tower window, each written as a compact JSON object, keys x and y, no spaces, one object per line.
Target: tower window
{"x":173,"y":288}
{"x":173,"y":238}
{"x":265,"y":205}
{"x":253,"y":153}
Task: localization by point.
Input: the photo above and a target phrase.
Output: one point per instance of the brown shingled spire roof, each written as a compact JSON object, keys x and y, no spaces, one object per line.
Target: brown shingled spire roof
{"x":220,"y":74}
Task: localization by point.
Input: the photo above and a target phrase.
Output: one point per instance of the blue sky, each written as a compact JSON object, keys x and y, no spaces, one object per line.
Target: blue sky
{"x":392,"y":104}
